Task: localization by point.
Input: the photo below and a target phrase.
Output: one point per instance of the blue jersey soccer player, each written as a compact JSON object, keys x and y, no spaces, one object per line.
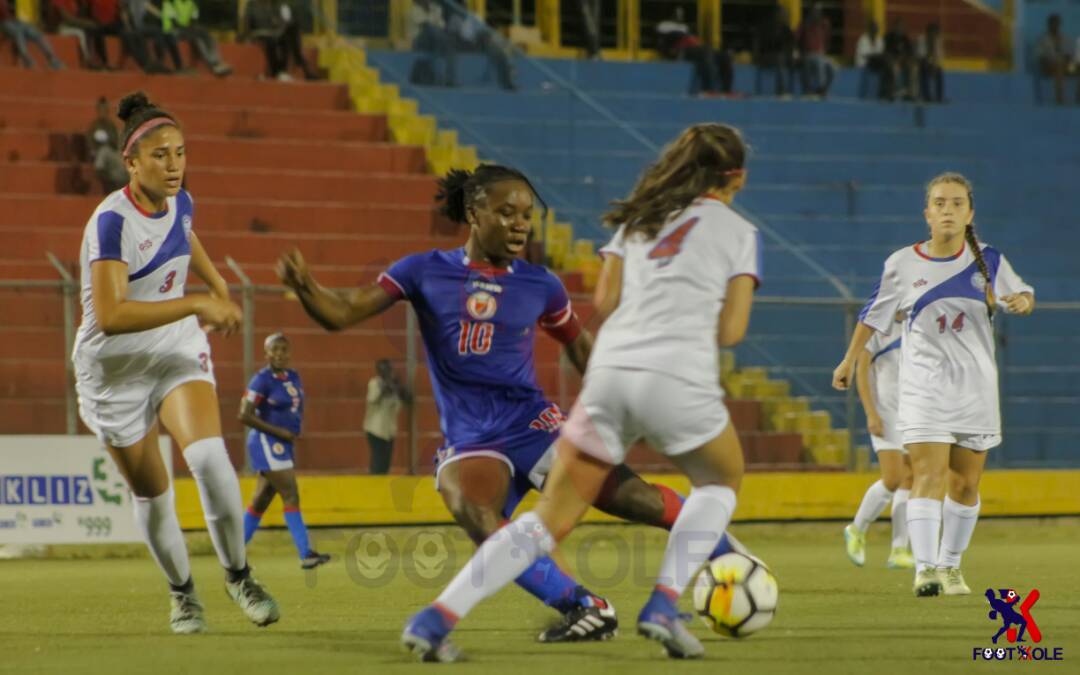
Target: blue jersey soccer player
{"x":478,"y":308}
{"x":273,"y":408}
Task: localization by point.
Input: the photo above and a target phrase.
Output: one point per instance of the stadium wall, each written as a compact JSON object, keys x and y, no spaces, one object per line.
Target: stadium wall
{"x":410,"y":500}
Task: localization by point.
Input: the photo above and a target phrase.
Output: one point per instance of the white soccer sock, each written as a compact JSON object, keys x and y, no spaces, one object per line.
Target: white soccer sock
{"x":958,"y":524}
{"x":499,"y":560}
{"x":924,"y":525}
{"x":899,"y":518}
{"x":873,"y":503}
{"x":156,"y":519}
{"x":219,"y":492}
{"x":704,"y":517}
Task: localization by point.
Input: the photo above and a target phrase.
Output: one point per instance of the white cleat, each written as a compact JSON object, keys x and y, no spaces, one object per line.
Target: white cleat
{"x":927,"y":583}
{"x":855,"y":544}
{"x":900,"y":559}
{"x":186,"y":613}
{"x":253,"y":599}
{"x":953,"y":581}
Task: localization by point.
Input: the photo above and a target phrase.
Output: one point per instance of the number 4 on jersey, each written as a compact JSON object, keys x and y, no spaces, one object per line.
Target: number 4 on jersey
{"x":671,"y":245}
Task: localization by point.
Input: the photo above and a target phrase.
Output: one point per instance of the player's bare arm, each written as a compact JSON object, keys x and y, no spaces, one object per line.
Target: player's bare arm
{"x":862,"y":385}
{"x":1019,"y":303}
{"x":608,"y":288}
{"x":117,"y":315}
{"x":577,"y":352}
{"x":843,"y":373}
{"x":332,"y":309}
{"x":735,"y":316}
{"x":248,"y":418}
{"x":204,"y":268}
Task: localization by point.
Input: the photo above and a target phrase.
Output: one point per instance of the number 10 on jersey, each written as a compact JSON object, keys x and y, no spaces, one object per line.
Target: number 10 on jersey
{"x":475,"y":337}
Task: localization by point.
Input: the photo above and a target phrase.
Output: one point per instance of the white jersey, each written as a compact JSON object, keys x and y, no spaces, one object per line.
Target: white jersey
{"x":673,"y":289}
{"x":884,"y":349}
{"x":948,"y":376}
{"x":157,"y":252}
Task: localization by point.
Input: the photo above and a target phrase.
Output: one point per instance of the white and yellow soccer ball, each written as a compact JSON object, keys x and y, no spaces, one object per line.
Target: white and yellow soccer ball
{"x":736,"y":595}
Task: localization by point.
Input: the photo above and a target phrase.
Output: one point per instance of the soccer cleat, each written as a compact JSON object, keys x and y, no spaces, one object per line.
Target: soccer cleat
{"x":855,"y":543}
{"x":660,"y":620}
{"x":253,"y":599}
{"x":593,"y":620}
{"x":313,"y":560}
{"x":186,"y":613}
{"x":425,"y":636}
{"x":952,"y":579}
{"x":900,"y":559}
{"x":927,"y":583}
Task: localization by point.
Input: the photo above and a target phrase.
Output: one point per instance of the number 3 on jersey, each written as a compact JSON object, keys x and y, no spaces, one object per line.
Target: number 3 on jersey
{"x":475,"y":337}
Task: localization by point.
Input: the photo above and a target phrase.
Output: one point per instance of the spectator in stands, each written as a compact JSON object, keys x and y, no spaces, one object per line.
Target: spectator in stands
{"x":272,"y":23}
{"x":385,"y":394}
{"x":813,"y":39}
{"x":901,"y":54}
{"x":427,"y":33}
{"x":870,"y":56}
{"x":930,"y":50}
{"x":774,"y":48}
{"x":67,"y":18}
{"x":143,"y":19}
{"x":1053,"y":54}
{"x":103,"y":140}
{"x":22,"y":32}
{"x":470,"y":34}
{"x":110,"y":19}
{"x":590,"y":23}
{"x":677,"y":42}
{"x":178,"y":21}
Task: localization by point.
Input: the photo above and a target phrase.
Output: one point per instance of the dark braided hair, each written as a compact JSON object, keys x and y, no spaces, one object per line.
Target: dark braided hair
{"x":135,"y":110}
{"x":460,"y":190}
{"x":969,"y":231}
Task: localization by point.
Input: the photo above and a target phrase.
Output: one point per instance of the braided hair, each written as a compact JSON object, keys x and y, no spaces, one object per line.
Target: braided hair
{"x":460,"y":190}
{"x":135,"y":110}
{"x":969,"y":232}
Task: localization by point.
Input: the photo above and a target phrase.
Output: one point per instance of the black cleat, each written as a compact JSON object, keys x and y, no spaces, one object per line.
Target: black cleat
{"x":313,"y":560}
{"x":596,"y":622}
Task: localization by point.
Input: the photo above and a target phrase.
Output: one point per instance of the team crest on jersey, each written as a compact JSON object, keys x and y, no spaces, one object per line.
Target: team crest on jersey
{"x":978,"y":281}
{"x":187,"y":222}
{"x":481,"y":305}
{"x":278,"y":449}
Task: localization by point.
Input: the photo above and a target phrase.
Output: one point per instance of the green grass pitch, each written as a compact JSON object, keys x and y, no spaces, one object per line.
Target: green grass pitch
{"x":92,"y":610}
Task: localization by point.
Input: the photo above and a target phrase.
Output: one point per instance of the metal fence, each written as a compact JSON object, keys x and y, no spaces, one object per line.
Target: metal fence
{"x":795,"y":339}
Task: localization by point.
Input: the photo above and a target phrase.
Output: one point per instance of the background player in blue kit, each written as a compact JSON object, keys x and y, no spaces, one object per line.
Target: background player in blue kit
{"x":273,"y":408}
{"x":478,"y":308}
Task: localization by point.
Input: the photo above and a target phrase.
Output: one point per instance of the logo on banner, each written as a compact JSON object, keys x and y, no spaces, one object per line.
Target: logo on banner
{"x":1017,"y":625}
{"x":63,"y":489}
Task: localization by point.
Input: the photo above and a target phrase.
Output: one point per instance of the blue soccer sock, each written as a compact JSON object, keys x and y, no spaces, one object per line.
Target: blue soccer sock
{"x":297,"y":529}
{"x":251,"y":523}
{"x":547,"y":582}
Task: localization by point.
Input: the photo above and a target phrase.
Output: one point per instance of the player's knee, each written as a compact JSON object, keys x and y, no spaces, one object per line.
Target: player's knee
{"x":479,"y":522}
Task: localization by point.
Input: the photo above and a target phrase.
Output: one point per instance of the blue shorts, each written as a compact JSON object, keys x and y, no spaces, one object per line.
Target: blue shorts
{"x":269,"y":453}
{"x":528,"y":459}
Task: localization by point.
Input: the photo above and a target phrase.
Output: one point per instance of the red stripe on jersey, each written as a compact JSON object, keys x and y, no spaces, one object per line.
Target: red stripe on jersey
{"x":255,"y":397}
{"x":945,"y":259}
{"x":566,"y":332}
{"x":392,"y":288}
{"x":558,"y":318}
{"x":127,"y":193}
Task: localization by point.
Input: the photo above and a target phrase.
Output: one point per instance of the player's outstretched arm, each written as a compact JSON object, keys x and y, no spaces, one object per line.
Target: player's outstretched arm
{"x":331,"y":309}
{"x":862,"y":385}
{"x":577,"y":351}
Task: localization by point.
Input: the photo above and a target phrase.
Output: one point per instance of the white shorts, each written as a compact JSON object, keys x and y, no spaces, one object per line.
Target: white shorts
{"x":121,"y":409}
{"x":618,"y":406}
{"x":891,"y":440}
{"x":976,"y":442}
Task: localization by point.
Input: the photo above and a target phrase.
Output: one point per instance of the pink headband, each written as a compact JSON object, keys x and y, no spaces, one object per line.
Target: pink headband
{"x":143,"y":129}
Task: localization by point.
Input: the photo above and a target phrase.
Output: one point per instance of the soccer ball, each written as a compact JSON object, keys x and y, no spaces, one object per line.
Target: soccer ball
{"x":735,"y":595}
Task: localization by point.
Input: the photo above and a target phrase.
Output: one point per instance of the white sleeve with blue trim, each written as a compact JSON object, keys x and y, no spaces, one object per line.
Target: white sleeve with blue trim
{"x":106,"y":238}
{"x":1008,"y":282}
{"x":880,"y":310}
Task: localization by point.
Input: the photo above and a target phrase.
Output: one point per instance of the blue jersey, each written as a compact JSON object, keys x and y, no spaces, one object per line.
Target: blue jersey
{"x":478,"y":325}
{"x":278,"y":398}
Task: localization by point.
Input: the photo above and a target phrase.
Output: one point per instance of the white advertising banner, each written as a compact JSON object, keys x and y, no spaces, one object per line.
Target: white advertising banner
{"x":64,"y":490}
